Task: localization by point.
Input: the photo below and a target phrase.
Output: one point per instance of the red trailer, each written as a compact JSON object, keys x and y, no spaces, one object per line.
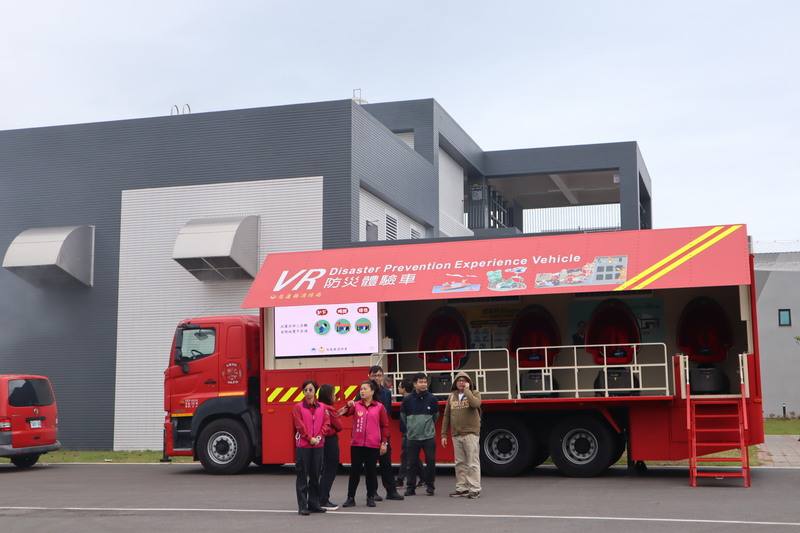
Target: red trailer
{"x":582,"y":345}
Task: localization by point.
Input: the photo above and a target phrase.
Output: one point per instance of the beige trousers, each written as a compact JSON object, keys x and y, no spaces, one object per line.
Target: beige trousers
{"x":468,"y":463}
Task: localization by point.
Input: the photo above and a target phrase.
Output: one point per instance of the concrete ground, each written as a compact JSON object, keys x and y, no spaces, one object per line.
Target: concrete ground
{"x":780,"y":450}
{"x":180,"y":497}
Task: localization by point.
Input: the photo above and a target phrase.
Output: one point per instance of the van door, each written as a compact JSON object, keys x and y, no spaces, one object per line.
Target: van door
{"x":32,"y":409}
{"x":194,"y":378}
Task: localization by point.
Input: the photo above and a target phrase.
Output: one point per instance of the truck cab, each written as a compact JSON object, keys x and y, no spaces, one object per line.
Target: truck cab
{"x":211,"y":392}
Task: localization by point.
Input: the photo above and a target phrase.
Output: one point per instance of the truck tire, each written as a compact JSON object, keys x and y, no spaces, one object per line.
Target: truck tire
{"x":25,"y":461}
{"x":507,"y":447}
{"x":582,"y":446}
{"x":619,"y":442}
{"x":224,"y":447}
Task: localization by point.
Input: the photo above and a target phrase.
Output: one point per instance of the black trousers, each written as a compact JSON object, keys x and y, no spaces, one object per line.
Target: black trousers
{"x":385,"y":468}
{"x":365,"y":460}
{"x":330,"y":463}
{"x":428,"y":447}
{"x":404,"y":464}
{"x":308,"y":464}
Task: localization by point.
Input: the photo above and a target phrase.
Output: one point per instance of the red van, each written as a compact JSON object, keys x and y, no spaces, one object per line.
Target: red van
{"x":28,"y":419}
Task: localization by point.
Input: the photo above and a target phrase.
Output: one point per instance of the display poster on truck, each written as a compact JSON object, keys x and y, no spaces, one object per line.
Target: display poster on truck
{"x":325,"y":330}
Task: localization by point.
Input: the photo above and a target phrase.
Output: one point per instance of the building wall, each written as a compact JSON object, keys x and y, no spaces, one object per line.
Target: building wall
{"x":780,"y":352}
{"x":372,"y":208}
{"x":155,"y":292}
{"x":73,"y":175}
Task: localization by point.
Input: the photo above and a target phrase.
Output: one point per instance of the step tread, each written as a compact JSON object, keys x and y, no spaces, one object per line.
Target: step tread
{"x":722,"y":415}
{"x":717,"y":430}
{"x":719,"y":459}
{"x":719,"y":474}
{"x":736,"y":444}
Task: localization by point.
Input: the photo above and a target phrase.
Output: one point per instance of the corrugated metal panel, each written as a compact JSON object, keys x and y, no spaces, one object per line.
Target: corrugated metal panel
{"x":385,"y":166}
{"x":373,"y":209}
{"x":73,"y":175}
{"x":156,"y":292}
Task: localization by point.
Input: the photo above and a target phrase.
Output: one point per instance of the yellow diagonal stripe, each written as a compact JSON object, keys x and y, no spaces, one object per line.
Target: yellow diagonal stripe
{"x":274,"y":393}
{"x":348,"y":391}
{"x":669,"y":258}
{"x":688,"y":256}
{"x":288,"y":394}
{"x":299,"y":396}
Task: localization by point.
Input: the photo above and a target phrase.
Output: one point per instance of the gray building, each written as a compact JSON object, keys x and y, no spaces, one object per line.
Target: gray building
{"x":778,"y":286}
{"x":104,"y":227}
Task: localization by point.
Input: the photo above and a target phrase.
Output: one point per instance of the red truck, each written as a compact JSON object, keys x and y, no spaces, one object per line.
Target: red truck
{"x":654,"y":349}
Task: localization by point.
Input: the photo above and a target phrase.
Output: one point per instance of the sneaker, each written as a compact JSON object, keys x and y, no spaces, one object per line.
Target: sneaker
{"x":329,"y":506}
{"x":394,"y":496}
{"x":458,"y":493}
{"x":303,"y":512}
{"x":378,"y":498}
{"x":317,"y":510}
{"x":349,"y":502}
{"x":474,"y":495}
{"x":371,"y":502}
{"x":429,"y":491}
{"x":410,"y":492}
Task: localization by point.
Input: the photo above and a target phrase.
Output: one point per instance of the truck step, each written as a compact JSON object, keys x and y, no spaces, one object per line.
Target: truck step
{"x":718,"y":430}
{"x":713,"y":444}
{"x":719,"y":474}
{"x":719,"y":459}
{"x":724,"y":415}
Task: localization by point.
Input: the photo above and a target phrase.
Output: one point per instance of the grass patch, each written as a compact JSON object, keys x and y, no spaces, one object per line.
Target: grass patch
{"x":95,"y":456}
{"x":782,"y":426}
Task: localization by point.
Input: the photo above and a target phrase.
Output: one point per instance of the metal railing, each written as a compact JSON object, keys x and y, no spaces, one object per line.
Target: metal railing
{"x":490,"y":370}
{"x":634,"y":368}
{"x":742,"y":370}
{"x":489,"y":378}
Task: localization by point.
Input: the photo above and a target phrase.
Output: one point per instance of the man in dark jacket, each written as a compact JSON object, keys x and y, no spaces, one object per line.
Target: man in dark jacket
{"x":419,"y":413}
{"x":385,"y":461}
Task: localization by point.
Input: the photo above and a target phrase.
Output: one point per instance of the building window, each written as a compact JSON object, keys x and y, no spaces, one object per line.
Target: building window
{"x":372,"y":231}
{"x":391,"y":228}
{"x":415,"y":234}
{"x":784,"y":317}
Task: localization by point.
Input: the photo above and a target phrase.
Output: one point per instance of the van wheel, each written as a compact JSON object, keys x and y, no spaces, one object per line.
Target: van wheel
{"x":224,"y":447}
{"x":507,"y":447}
{"x":25,"y":461}
{"x":582,"y":446}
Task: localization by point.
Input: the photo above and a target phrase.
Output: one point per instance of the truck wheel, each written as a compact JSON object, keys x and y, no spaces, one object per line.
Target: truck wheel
{"x":25,"y":461}
{"x":619,"y":443}
{"x":507,"y":447}
{"x":582,"y":446}
{"x":224,"y":447}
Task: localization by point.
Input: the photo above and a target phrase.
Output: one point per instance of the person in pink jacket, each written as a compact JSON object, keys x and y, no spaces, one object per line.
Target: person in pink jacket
{"x":369,"y":440}
{"x":311,"y":422}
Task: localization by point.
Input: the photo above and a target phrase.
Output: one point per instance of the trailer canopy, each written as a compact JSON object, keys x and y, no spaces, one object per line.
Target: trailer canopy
{"x":573,"y":263}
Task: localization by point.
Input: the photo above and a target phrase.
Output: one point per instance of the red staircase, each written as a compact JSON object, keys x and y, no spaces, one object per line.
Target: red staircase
{"x":716,"y":424}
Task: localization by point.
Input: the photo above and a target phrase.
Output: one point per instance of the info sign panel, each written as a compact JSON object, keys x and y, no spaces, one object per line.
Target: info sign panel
{"x":326,"y":330}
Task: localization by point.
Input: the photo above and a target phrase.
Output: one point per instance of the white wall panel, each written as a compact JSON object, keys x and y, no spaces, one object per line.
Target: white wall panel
{"x":451,"y":197}
{"x":155,"y":292}
{"x":372,"y":208}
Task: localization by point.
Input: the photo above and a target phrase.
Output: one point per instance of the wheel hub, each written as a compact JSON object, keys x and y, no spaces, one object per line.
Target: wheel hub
{"x":580,"y":446}
{"x":222,"y":447}
{"x":501,"y":446}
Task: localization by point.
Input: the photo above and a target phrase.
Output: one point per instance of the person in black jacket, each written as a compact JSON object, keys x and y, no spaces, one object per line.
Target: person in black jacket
{"x":419,"y":413}
{"x":385,"y":461}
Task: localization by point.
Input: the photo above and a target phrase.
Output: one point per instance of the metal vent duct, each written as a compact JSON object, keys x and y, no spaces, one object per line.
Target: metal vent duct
{"x":217,"y":249}
{"x":53,"y":256}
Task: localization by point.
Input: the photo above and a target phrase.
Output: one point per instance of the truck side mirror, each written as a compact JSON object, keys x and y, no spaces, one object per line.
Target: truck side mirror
{"x":185,"y":366}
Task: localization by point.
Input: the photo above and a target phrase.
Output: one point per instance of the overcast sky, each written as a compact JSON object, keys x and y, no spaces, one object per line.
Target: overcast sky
{"x":708,"y":89}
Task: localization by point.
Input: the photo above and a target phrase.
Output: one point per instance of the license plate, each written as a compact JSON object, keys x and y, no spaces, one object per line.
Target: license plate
{"x":36,"y":424}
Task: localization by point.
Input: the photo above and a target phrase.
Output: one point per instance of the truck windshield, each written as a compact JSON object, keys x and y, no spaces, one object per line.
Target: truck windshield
{"x":197,"y":343}
{"x":29,"y":393}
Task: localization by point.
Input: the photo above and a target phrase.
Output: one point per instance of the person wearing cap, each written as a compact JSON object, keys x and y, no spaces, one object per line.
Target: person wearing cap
{"x":462,"y":416}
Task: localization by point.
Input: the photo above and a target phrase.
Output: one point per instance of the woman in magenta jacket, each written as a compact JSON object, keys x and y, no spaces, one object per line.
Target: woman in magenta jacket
{"x":368,"y":441}
{"x":311,"y":422}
